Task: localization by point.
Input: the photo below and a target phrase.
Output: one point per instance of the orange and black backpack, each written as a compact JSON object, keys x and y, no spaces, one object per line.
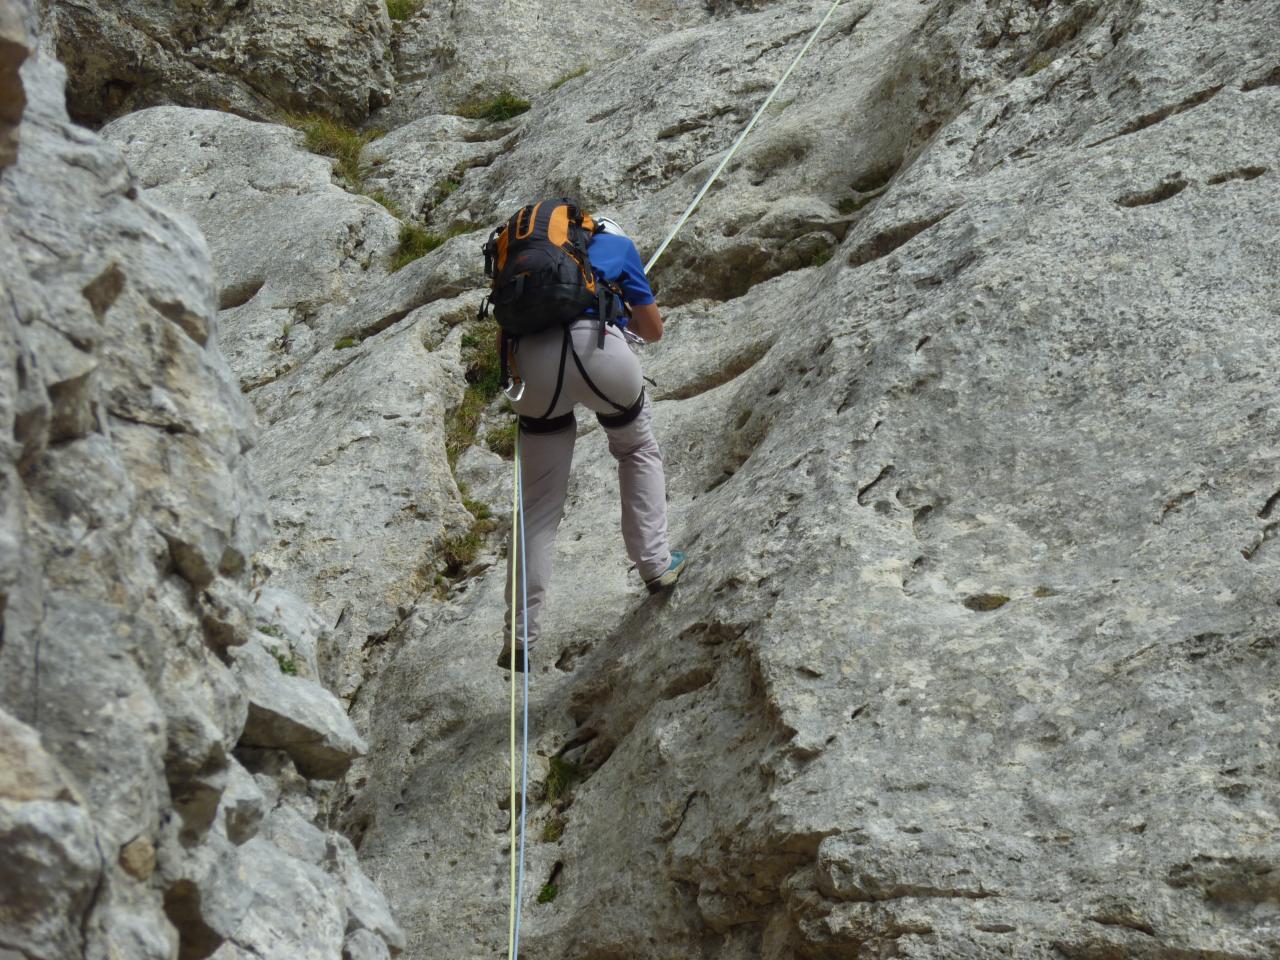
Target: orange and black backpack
{"x":542,"y":277}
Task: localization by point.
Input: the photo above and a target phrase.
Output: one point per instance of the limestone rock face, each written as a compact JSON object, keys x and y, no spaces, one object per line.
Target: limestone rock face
{"x":449,"y":54}
{"x":968,"y":408}
{"x":133,"y":790}
{"x":969,"y":421}
{"x":253,"y":59}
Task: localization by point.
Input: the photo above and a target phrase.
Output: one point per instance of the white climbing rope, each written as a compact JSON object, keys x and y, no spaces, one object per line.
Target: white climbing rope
{"x":518,"y":560}
{"x":693,"y":205}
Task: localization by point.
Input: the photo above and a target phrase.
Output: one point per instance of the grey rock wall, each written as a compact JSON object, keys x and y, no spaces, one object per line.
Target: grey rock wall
{"x":969,"y":423}
{"x":968,"y":408}
{"x":251,"y":58}
{"x":160,"y":745}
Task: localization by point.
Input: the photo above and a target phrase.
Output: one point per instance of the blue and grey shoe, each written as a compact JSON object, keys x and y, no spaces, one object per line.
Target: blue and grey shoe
{"x":668,"y":577}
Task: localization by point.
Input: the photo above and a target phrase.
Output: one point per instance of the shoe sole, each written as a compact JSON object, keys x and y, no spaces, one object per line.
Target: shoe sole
{"x":667,"y":580}
{"x":504,"y":660}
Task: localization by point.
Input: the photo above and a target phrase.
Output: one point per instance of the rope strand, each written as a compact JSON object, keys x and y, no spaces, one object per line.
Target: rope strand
{"x":738,"y":143}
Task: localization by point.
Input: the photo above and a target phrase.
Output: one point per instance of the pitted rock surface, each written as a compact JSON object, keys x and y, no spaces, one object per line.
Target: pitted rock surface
{"x":968,"y":410}
{"x":254,"y":59}
{"x":136,"y":796}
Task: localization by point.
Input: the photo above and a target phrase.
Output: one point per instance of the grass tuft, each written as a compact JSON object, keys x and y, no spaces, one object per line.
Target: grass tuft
{"x":571,"y":75}
{"x":547,"y":893}
{"x":345,"y":343}
{"x":562,"y":776}
{"x":502,"y":440}
{"x":331,"y":138}
{"x":502,"y":107}
{"x":417,"y":241}
{"x":403,"y":9}
{"x":553,"y":831}
{"x":483,"y":376}
{"x":391,"y":206}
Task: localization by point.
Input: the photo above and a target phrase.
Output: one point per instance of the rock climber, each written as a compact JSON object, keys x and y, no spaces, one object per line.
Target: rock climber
{"x":588,"y":361}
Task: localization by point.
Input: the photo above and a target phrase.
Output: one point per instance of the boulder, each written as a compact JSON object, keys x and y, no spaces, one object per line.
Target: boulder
{"x":295,"y":715}
{"x":254,"y":60}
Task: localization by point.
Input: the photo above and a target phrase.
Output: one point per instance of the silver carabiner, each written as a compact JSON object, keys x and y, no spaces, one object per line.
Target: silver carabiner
{"x":514,"y":390}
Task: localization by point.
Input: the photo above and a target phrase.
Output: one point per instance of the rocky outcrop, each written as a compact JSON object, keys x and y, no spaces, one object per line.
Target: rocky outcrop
{"x":967,"y":405}
{"x":253,"y":59}
{"x":143,"y":777}
{"x":449,"y":55}
{"x":976,"y":655}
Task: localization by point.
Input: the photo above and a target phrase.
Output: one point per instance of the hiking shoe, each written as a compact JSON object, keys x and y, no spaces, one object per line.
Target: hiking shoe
{"x":504,"y":658}
{"x":670,"y":576}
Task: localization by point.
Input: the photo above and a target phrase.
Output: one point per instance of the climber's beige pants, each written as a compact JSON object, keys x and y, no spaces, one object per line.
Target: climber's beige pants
{"x":545,"y":457}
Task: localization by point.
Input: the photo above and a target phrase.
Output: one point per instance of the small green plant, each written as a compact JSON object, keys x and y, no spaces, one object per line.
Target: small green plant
{"x":571,"y":75}
{"x":391,"y":206}
{"x":402,"y":9}
{"x":271,"y":630}
{"x":345,"y":343}
{"x":287,"y":665}
{"x":415,"y":243}
{"x":851,"y":205}
{"x":476,"y":508}
{"x":502,"y":107}
{"x":447,"y":187}
{"x":553,"y":831}
{"x":548,"y":893}
{"x":820,"y":257}
{"x":483,"y":376}
{"x":460,"y":551}
{"x":562,"y":776}
{"x":331,"y":138}
{"x":502,"y":440}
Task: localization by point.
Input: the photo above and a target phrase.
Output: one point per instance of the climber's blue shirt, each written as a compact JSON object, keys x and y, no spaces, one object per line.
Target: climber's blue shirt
{"x":616,"y":259}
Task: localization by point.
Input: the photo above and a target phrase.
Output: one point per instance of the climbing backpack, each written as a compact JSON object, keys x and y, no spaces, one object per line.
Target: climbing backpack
{"x":542,"y":276}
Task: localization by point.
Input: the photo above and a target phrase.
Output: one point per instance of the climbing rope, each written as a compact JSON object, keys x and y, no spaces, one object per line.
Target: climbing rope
{"x":518,"y":560}
{"x":518,"y":547}
{"x":715,"y":174}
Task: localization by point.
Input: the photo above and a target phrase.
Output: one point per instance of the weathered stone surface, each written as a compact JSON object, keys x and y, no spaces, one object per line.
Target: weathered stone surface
{"x":419,"y":164}
{"x":14,"y":50}
{"x":1035,"y":366}
{"x":446,"y":55}
{"x":253,"y":59}
{"x":49,"y":859}
{"x":286,"y":240}
{"x":363,"y":945}
{"x":129,"y":518}
{"x":295,"y":909}
{"x":295,"y":715}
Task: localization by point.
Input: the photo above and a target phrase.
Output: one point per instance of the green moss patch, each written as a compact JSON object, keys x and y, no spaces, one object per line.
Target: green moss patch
{"x":548,"y":893}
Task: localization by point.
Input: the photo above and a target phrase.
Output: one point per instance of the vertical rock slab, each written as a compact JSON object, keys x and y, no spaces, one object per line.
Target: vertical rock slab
{"x":129,"y":519}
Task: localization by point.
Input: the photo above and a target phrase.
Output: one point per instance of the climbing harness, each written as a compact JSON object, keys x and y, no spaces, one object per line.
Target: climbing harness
{"x":715,"y":174}
{"x":518,"y":560}
{"x":517,"y":511}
